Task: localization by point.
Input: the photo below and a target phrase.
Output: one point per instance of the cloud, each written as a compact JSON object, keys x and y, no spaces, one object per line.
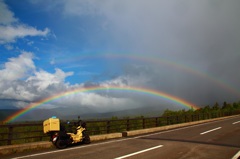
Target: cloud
{"x":17,"y":68}
{"x":9,"y":34}
{"x":195,"y":30}
{"x":8,"y":17}
{"x":23,"y":84}
{"x":21,"y":81}
{"x":97,"y":101}
{"x":11,"y":29}
{"x":42,"y":79}
{"x":202,"y":35}
{"x":12,"y":76}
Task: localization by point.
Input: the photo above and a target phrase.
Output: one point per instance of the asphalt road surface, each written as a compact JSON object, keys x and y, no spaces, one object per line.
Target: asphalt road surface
{"x":214,"y":140}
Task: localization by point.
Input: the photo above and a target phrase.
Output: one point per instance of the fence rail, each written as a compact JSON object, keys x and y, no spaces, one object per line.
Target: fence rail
{"x":33,"y":132}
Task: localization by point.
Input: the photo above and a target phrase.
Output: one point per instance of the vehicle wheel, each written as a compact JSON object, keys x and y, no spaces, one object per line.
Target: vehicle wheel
{"x":86,"y":139}
{"x":60,"y":144}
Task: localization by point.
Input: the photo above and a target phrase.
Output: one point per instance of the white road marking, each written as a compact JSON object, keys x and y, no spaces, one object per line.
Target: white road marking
{"x":210,"y":130}
{"x":236,"y":122}
{"x":237,"y":155}
{"x":135,"y":153}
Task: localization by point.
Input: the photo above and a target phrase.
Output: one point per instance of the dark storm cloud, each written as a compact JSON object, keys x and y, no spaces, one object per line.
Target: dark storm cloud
{"x":201,"y":35}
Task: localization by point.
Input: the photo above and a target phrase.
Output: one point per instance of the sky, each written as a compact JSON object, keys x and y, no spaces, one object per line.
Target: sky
{"x":189,"y":49}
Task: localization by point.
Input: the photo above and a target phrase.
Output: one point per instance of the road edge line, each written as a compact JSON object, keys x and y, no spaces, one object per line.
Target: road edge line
{"x":237,"y":155}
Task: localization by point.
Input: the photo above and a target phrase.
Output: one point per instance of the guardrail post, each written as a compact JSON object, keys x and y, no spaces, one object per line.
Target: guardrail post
{"x":168,"y":121}
{"x":108,"y":127}
{"x":128,"y":125}
{"x":143,"y":123}
{"x":156,"y":121}
{"x":10,"y":132}
{"x":41,"y":138}
{"x":177,"y":118}
{"x":160,"y":121}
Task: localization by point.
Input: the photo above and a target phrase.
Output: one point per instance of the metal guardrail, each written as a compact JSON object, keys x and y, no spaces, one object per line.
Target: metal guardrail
{"x":33,"y":132}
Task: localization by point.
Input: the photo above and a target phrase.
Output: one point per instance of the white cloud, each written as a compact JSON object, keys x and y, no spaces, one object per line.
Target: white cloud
{"x":17,"y":92}
{"x":42,"y":79}
{"x":22,"y":84}
{"x":11,"y":29}
{"x":9,"y":34}
{"x":12,"y":75}
{"x":97,"y":102}
{"x":20,"y":79}
{"x":17,"y":68}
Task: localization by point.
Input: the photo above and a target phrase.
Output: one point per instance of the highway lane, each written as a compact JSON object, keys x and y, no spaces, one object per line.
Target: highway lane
{"x":219,"y":139}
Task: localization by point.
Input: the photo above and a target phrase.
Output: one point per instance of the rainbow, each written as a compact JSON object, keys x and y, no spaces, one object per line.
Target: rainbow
{"x":156,"y":60}
{"x":142,"y":90}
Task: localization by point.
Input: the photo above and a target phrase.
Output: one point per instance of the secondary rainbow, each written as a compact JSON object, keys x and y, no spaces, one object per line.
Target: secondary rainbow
{"x":158,"y":61}
{"x":142,"y":90}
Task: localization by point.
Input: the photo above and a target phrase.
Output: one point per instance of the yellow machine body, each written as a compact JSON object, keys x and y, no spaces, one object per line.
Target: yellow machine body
{"x":78,"y":137}
{"x":51,"y":124}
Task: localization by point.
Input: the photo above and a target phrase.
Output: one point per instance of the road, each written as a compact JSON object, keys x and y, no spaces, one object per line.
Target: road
{"x":219,"y":139}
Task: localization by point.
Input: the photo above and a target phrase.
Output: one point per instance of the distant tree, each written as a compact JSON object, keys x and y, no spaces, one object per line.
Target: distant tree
{"x":227,"y":106}
{"x":168,"y":112}
{"x":224,"y":105}
{"x":183,"y":111}
{"x":236,"y":105}
{"x":205,"y":109}
{"x":216,"y":106}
